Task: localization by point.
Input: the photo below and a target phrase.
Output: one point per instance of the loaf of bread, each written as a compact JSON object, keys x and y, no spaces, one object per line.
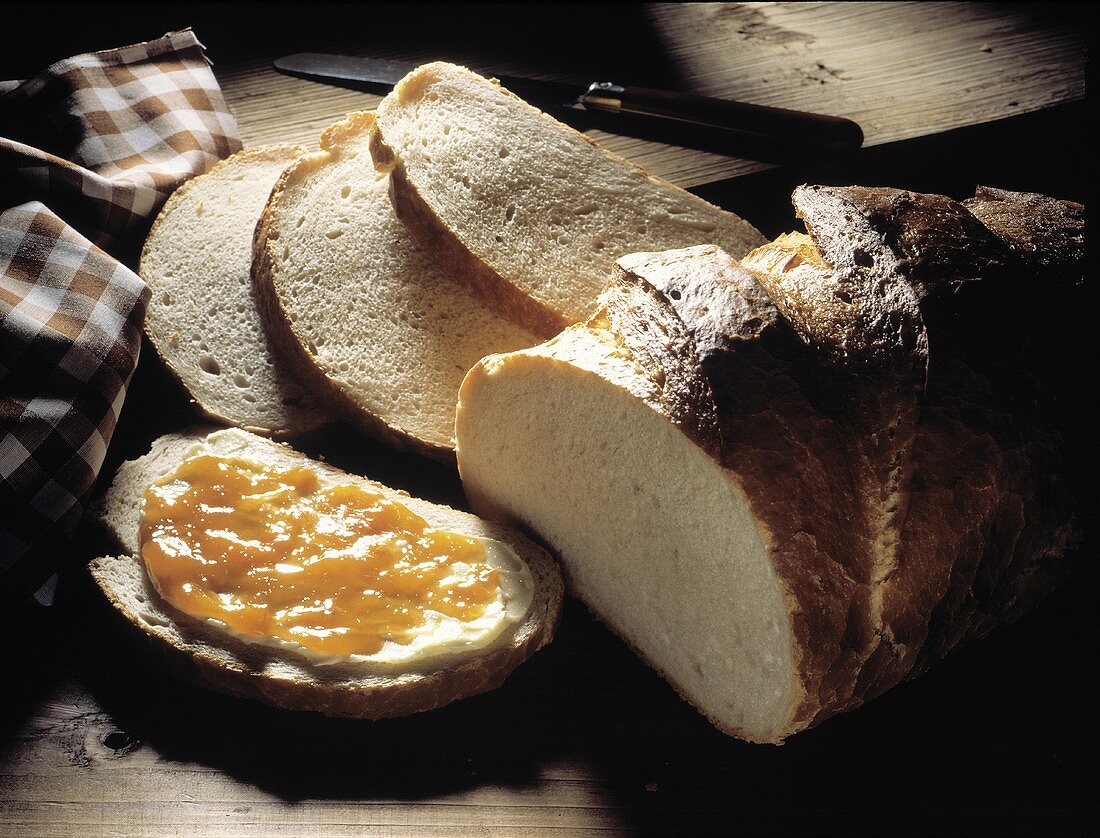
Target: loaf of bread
{"x":362,"y":313}
{"x":790,"y":483}
{"x":524,"y":210}
{"x":202,"y":317}
{"x":200,"y":652}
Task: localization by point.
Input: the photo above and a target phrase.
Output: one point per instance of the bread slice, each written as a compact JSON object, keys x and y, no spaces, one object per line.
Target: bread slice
{"x":826,"y":473}
{"x":199,"y":652}
{"x":360,"y":310}
{"x":526,"y":211}
{"x":202,"y":318}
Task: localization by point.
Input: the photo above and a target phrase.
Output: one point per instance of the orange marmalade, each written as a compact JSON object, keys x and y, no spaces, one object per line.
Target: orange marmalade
{"x":337,"y":569}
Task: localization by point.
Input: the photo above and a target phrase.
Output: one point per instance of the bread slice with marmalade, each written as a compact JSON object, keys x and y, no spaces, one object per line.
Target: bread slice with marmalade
{"x":204,"y":653}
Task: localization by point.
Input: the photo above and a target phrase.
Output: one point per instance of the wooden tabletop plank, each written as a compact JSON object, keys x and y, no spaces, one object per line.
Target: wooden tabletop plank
{"x":64,"y":775}
{"x":901,"y":70}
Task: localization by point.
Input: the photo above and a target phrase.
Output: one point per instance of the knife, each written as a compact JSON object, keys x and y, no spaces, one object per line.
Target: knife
{"x":794,"y":131}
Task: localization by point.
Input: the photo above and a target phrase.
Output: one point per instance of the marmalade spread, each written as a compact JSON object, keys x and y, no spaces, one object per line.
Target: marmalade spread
{"x":339,"y":569}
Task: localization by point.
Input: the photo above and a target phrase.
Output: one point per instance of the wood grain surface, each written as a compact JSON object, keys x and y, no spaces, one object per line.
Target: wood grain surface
{"x":96,"y":739}
{"x":900,"y":70}
{"x":582,"y":740}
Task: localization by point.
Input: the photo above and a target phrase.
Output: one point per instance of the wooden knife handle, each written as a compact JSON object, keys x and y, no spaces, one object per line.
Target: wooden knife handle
{"x":792,"y":128}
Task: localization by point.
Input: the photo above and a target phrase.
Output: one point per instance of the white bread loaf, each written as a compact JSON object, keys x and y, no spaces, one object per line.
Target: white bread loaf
{"x":359,"y":310}
{"x":524,"y":210}
{"x":201,"y":653}
{"x":202,"y":318}
{"x":790,"y":488}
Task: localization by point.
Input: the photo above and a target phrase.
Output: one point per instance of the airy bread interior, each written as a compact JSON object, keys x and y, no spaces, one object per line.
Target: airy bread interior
{"x":537,"y":205}
{"x":202,"y":316}
{"x":674,"y":564}
{"x":368,"y":319}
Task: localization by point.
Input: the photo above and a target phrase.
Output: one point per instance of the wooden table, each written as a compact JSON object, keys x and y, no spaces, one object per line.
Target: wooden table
{"x":583,"y":739}
{"x":901,"y":70}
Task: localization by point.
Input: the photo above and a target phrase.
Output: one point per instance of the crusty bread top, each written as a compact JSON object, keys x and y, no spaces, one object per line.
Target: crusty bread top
{"x":362,"y":312}
{"x":938,"y":504}
{"x":904,"y":474}
{"x":1046,"y":234}
{"x":528,"y":212}
{"x":202,"y":317}
{"x":281,"y":676}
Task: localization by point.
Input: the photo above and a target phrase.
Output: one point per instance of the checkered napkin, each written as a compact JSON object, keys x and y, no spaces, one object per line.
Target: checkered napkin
{"x":89,"y":151}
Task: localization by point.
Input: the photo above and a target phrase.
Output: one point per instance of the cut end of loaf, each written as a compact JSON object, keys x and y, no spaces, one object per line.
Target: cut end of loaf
{"x":676,"y":565}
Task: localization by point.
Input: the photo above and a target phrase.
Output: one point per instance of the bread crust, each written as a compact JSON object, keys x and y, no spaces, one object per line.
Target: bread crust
{"x":291,"y":344}
{"x":966,"y":428}
{"x":792,"y":462}
{"x":201,"y":654}
{"x":893,"y":449}
{"x":638,"y":318}
{"x":1046,"y":234}
{"x":207,"y":411}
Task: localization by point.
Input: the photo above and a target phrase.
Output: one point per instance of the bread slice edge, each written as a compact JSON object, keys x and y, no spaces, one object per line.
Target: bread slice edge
{"x":480,"y":276}
{"x":462,"y":265}
{"x":289,"y":342}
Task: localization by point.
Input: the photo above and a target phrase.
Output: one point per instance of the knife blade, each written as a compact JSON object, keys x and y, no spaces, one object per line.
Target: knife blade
{"x":794,"y":131}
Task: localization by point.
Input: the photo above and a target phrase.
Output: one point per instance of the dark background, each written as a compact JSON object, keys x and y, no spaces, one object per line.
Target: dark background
{"x":998,"y":739}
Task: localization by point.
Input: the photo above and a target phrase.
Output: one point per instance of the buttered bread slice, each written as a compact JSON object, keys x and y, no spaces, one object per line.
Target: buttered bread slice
{"x":202,"y":317}
{"x":524,"y":210}
{"x":312,"y":589}
{"x":359,"y":309}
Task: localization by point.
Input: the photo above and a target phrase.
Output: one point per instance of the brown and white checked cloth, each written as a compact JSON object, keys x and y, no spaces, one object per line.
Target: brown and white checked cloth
{"x":89,"y":150}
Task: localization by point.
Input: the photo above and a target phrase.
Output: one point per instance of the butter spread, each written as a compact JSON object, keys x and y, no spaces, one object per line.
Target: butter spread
{"x":337,"y":571}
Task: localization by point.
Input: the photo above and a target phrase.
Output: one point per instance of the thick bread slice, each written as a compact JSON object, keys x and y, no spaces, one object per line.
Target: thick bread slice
{"x":526,"y":211}
{"x":828,"y":472}
{"x":203,"y":654}
{"x":202,"y":318}
{"x":360,"y":310}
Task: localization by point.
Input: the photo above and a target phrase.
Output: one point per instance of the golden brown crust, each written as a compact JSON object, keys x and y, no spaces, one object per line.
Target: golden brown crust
{"x":792,"y":462}
{"x":639,"y":318}
{"x":1046,"y":234}
{"x":983,"y":444}
{"x":291,"y":344}
{"x":931,"y":242}
{"x":900,"y":470}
